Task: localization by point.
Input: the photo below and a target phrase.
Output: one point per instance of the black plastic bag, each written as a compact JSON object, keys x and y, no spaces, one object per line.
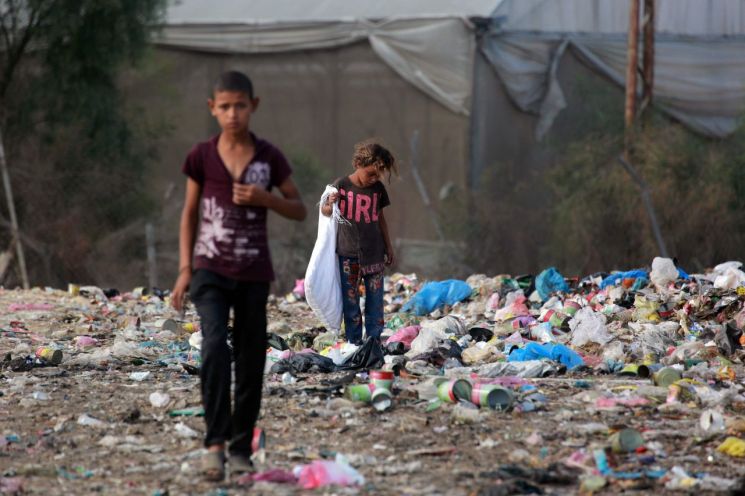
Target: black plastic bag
{"x":276,"y":341}
{"x":367,"y":356}
{"x":304,"y":362}
{"x":480,"y":334}
{"x":728,"y":339}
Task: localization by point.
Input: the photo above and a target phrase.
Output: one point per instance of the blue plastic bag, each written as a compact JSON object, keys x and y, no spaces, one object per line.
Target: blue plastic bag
{"x":552,"y":351}
{"x":549,"y":281}
{"x":436,"y":294}
{"x":613,"y":279}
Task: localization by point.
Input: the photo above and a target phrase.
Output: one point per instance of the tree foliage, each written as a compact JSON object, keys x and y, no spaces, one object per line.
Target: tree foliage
{"x":76,"y":152}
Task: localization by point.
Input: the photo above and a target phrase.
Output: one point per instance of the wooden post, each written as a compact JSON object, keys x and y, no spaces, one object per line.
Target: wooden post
{"x":15,"y":232}
{"x":648,"y":64}
{"x":631,"y":67}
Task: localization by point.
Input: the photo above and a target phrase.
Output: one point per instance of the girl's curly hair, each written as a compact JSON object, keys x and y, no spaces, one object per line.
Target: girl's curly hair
{"x":370,"y":152}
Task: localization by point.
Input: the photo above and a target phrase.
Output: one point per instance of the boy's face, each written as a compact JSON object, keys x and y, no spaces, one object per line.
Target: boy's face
{"x":233,"y":110}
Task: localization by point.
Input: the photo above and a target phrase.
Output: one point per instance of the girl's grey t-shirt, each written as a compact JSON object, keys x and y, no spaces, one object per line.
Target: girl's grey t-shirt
{"x":362,"y":237}
{"x":232,"y":239}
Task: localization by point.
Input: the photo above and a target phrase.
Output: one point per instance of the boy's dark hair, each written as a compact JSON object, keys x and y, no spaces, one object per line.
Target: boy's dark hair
{"x":234,"y":81}
{"x":370,"y":152}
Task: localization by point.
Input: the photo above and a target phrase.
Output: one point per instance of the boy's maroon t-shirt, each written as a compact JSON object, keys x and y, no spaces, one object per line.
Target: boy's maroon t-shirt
{"x":232,"y":239}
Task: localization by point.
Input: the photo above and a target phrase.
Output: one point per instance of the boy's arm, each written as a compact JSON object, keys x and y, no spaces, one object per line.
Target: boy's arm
{"x":290,"y":205}
{"x":391,"y":259}
{"x":187,"y":232}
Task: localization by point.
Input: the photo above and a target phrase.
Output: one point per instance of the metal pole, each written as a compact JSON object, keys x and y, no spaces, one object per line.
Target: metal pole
{"x":648,"y":64}
{"x":631,"y":68}
{"x":420,"y":185}
{"x":648,"y":205}
{"x":15,"y":232}
{"x":152,"y":266}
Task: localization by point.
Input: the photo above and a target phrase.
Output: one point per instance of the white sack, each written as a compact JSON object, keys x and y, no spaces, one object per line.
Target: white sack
{"x":322,"y":284}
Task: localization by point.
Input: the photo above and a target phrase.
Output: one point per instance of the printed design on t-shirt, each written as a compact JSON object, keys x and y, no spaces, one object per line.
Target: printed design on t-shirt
{"x":258,"y":173}
{"x":212,"y":229}
{"x":359,"y":207}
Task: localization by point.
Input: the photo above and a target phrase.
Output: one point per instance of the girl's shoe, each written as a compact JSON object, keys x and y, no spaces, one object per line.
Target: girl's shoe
{"x":213,"y":466}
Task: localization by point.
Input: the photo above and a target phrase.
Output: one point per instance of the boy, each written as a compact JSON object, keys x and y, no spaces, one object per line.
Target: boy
{"x":231,"y":176}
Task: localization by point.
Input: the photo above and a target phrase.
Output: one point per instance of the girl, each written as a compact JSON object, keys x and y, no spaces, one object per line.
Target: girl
{"x":363,"y":244}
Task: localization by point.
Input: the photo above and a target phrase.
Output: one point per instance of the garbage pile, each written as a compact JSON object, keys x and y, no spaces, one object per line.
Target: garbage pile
{"x":493,"y":385}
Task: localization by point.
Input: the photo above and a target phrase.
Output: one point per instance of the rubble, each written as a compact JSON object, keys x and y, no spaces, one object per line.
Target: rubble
{"x":547,"y":385}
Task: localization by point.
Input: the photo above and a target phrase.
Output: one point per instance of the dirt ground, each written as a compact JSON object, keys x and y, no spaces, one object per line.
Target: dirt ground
{"x":140,"y":449}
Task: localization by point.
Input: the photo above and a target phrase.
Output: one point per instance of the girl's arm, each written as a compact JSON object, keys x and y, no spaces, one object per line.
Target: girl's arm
{"x":327,"y":207}
{"x":187,"y":233}
{"x":391,"y":258}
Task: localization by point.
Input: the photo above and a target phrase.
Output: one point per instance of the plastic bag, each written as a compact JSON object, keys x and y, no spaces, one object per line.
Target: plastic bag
{"x":322,"y":281}
{"x":514,"y":306}
{"x":304,"y":362}
{"x":589,"y":326}
{"x":325,"y":340}
{"x":404,"y":335}
{"x":614,"y":351}
{"x":341,"y":352}
{"x":427,"y":340}
{"x":530,"y":368}
{"x":613,"y":279}
{"x":368,"y":356}
{"x":320,"y":473}
{"x":434,"y":295}
{"x":550,"y":281}
{"x":449,"y":324}
{"x":556,"y":352}
{"x":663,"y":272}
{"x":480,"y":353}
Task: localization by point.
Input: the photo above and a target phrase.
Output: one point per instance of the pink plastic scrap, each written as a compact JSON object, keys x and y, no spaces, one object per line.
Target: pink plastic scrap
{"x":11,"y":485}
{"x":320,"y":473}
{"x":299,"y":289}
{"x":404,"y":335}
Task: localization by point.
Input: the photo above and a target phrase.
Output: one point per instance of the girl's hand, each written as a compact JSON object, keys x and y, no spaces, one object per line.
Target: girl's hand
{"x":332,"y":198}
{"x":180,"y":288}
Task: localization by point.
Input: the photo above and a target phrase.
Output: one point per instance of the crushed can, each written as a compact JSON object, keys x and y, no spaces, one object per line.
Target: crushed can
{"x":558,"y":320}
{"x":571,"y":308}
{"x":49,"y":354}
{"x":381,"y":379}
{"x":450,"y":391}
{"x":381,"y":399}
{"x":359,"y":392}
{"x":667,"y":376}
{"x":258,"y":441}
{"x":626,"y":441}
{"x":492,"y":396}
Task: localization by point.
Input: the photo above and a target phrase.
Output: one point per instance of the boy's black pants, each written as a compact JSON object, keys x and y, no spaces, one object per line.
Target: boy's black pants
{"x":213,"y":296}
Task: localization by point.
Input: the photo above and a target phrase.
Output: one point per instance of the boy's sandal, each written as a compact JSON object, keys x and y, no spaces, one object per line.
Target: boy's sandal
{"x":213,"y":466}
{"x":241,"y":464}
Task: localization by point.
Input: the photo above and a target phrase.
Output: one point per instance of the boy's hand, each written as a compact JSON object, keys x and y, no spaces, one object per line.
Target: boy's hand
{"x":250,"y":194}
{"x":390,"y":258}
{"x":180,"y":289}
